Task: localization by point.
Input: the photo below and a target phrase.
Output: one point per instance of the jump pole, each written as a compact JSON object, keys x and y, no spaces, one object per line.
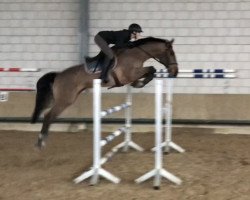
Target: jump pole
{"x":17,"y":70}
{"x":184,"y":73}
{"x":158,"y":171}
{"x":4,"y":91}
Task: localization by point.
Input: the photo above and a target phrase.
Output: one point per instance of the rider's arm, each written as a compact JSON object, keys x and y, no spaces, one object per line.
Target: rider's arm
{"x":121,"y":44}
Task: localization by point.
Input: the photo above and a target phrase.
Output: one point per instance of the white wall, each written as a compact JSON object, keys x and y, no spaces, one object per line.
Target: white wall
{"x":208,"y":34}
{"x":37,"y":34}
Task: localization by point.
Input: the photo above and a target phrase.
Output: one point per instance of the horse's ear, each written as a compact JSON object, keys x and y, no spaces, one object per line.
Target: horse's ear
{"x":170,"y":43}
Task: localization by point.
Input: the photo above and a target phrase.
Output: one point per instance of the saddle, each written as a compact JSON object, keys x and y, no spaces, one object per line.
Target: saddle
{"x":94,"y":64}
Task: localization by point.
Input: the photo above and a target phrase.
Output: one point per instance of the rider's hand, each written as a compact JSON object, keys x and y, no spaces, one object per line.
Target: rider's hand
{"x":130,"y":45}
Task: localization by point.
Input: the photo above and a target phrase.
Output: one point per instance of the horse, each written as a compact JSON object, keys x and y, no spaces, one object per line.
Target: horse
{"x":58,"y":90}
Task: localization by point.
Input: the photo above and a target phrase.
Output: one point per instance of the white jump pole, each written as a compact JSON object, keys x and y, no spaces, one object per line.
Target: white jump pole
{"x":158,"y":171}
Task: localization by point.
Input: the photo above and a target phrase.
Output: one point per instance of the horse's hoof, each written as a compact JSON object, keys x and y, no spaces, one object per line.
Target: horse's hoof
{"x":156,"y":187}
{"x":139,"y":84}
{"x":40,"y":145}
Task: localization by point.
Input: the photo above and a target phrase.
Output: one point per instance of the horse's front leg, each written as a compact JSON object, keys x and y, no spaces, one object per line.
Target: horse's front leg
{"x":147,"y":73}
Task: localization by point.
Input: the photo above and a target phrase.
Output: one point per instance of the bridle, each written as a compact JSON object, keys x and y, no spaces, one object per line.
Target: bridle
{"x":157,"y":59}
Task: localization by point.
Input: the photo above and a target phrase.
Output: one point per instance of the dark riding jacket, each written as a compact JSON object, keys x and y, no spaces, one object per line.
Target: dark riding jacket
{"x":118,"y":38}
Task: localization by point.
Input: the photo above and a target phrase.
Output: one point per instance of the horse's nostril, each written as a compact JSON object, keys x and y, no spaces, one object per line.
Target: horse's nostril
{"x":172,"y":75}
{"x":172,"y":72}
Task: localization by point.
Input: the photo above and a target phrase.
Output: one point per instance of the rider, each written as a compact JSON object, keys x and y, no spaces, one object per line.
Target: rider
{"x":119,"y":39}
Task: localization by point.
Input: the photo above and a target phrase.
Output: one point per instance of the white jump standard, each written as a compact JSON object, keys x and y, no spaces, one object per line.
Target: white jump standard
{"x":161,"y":76}
{"x":185,"y":73}
{"x":158,"y":171}
{"x":168,"y":110}
{"x":96,"y":171}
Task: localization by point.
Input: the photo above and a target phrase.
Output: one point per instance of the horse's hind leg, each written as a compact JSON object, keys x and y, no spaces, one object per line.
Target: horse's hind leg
{"x":63,"y":99}
{"x":57,"y":109}
{"x":148,"y":74}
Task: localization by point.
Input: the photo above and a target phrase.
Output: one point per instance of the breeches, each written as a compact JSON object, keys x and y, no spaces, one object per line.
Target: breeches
{"x":104,"y":46}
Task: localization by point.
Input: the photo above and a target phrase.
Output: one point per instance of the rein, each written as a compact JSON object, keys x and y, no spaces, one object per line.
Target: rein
{"x":151,"y":56}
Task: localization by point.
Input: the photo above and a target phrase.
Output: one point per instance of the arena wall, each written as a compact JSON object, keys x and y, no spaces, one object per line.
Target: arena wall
{"x":185,"y":107}
{"x":208,"y":34}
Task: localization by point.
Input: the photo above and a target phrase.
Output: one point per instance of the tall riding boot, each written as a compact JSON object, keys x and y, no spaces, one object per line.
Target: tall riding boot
{"x":105,"y":69}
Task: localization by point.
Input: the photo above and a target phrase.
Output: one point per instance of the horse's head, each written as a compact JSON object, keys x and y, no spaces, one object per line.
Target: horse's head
{"x":168,"y":59}
{"x":162,"y":50}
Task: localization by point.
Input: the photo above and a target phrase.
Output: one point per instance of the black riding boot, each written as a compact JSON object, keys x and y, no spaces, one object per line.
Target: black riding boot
{"x":105,"y":69}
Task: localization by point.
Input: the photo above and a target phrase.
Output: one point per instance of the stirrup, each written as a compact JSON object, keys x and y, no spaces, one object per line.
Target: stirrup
{"x":105,"y":81}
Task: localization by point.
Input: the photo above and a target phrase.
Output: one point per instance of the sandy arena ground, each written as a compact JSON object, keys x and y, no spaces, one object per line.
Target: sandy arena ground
{"x":214,"y":167}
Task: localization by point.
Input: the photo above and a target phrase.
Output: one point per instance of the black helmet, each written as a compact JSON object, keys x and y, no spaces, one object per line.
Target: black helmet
{"x":135,"y":28}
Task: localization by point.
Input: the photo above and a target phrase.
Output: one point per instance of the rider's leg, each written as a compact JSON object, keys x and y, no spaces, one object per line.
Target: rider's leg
{"x":108,"y":59}
{"x":105,"y":68}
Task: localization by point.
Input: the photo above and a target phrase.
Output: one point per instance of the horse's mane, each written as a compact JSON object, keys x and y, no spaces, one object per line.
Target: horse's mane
{"x":148,"y":39}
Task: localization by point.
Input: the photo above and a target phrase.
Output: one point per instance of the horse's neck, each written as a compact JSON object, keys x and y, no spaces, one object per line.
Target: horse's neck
{"x":142,"y":52}
{"x":148,"y":51}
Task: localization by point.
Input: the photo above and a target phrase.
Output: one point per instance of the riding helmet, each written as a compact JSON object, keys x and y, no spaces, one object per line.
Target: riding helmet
{"x":135,"y":28}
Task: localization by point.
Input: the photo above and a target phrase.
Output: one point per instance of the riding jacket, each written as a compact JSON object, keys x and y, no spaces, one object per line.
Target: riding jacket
{"x":118,"y":38}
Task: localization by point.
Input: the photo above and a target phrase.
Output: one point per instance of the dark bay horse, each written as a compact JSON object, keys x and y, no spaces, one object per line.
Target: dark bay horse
{"x":58,"y":90}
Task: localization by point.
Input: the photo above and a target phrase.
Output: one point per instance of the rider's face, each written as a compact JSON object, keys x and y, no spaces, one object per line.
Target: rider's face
{"x":135,"y":35}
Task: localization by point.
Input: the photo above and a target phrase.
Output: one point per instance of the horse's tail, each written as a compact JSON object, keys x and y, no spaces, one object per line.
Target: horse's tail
{"x":44,"y":94}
